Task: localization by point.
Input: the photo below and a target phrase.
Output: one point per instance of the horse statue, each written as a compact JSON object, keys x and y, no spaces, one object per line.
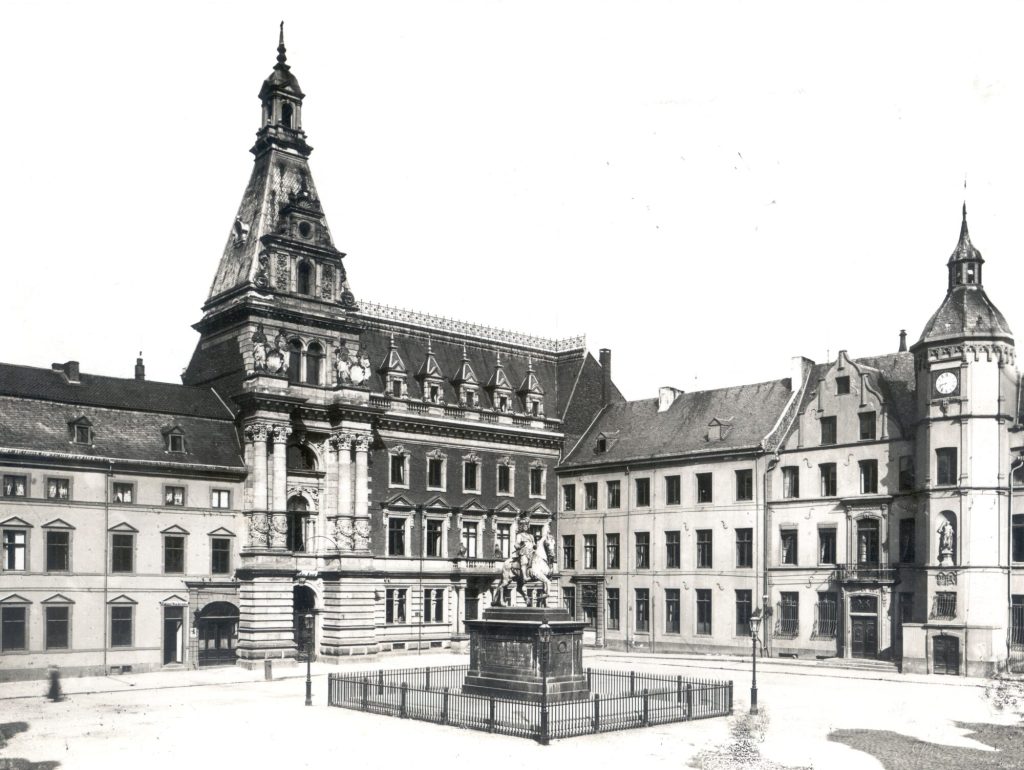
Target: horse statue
{"x":543,"y":563}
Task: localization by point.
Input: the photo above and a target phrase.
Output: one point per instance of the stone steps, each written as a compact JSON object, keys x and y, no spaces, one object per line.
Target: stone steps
{"x":860,"y":664}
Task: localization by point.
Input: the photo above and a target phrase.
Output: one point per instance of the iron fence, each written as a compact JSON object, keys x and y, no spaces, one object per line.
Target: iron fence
{"x":619,"y":700}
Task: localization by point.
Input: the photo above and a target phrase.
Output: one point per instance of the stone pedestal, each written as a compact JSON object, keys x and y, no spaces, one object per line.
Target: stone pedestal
{"x":505,"y":655}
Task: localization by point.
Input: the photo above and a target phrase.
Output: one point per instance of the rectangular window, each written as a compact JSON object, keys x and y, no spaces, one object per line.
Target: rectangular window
{"x":703,"y":612}
{"x":791,"y":481}
{"x":537,"y":482}
{"x":788,"y":545}
{"x":945,"y":466}
{"x":122,"y":553}
{"x":643,"y":550}
{"x":469,"y":538}
{"x":673,"y":490}
{"x":744,"y":606}
{"x":643,"y":493}
{"x":568,"y":497}
{"x":220,"y":498}
{"x":433,"y":605}
{"x":1017,"y":536}
{"x":828,"y":431}
{"x":827,"y":546}
{"x":58,"y":551}
{"x":906,"y":473}
{"x":568,"y":552}
{"x":745,"y":484}
{"x":613,"y":609}
{"x":744,"y":547}
{"x":394,"y":605}
{"x":827,"y":621}
{"x":504,"y":537}
{"x":569,"y":601}
{"x":704,"y":548}
{"x":611,"y":556}
{"x":13,"y":628}
{"x":867,"y":426}
{"x":672,"y":611}
{"x":398,"y":470}
{"x":643,"y":610}
{"x":590,"y":495}
{"x":396,"y":536}
{"x":123,"y":492}
{"x":590,"y":552}
{"x":672,"y":549}
{"x":469,"y":477}
{"x":174,"y":554}
{"x":58,"y":628}
{"x":220,"y":555}
{"x":907,"y":541}
{"x":58,"y":489}
{"x":15,"y":486}
{"x":789,"y":614}
{"x":1016,"y":621}
{"x":945,"y":605}
{"x":704,"y":488}
{"x":435,"y":532}
{"x":614,"y":494}
{"x":174,"y":495}
{"x":121,"y":625}
{"x":828,"y":479}
{"x":14,"y":549}
{"x":868,"y":477}
{"x":504,"y":479}
{"x":842,"y":386}
{"x":83,"y":434}
{"x":435,"y":473}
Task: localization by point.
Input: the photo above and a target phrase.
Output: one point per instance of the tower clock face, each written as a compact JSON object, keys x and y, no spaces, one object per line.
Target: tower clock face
{"x":946,"y":383}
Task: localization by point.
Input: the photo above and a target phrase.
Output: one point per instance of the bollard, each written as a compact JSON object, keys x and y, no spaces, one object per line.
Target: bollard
{"x":646,"y":713}
{"x":401,"y":704}
{"x":428,"y":678}
{"x":380,"y":682}
{"x":444,"y":707}
{"x":632,"y":683}
{"x":490,"y":718}
{"x":55,"y":694}
{"x":689,"y":701}
{"x":268,"y":669}
{"x":679,"y":689}
{"x":366,"y":692}
{"x":590,"y":684}
{"x":596,"y":722}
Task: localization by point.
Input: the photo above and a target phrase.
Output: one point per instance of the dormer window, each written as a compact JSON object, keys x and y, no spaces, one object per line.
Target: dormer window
{"x":434,"y":394}
{"x":396,"y":388}
{"x":304,"y":278}
{"x":502,"y":403}
{"x":83,"y":434}
{"x":602,"y":445}
{"x":175,"y":443}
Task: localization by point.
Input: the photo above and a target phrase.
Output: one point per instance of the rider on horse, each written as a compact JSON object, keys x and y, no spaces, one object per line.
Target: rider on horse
{"x":525,"y":546}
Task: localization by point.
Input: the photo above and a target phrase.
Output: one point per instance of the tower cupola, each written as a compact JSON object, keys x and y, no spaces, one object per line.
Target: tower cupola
{"x":965,"y":262}
{"x":281,"y":100}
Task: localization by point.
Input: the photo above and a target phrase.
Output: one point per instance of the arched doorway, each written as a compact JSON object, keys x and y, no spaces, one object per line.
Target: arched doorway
{"x":303,"y":603}
{"x":297,"y":510}
{"x":217,"y":629}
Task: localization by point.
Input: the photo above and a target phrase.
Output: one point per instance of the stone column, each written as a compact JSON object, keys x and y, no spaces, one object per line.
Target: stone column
{"x":361,"y":502}
{"x":344,"y":444}
{"x":279,"y":504}
{"x":328,"y":507}
{"x":258,"y":432}
{"x":250,"y":450}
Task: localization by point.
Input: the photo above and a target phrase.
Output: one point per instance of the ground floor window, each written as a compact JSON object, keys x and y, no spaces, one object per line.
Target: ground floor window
{"x":394,"y":607}
{"x":121,"y":626}
{"x":789,"y":614}
{"x":643,"y":609}
{"x":58,"y":628}
{"x":613,"y":609}
{"x":826,"y":615}
{"x":671,"y":610}
{"x":569,"y":601}
{"x":703,"y":612}
{"x":744,"y":604}
{"x":433,"y":605}
{"x":13,"y":628}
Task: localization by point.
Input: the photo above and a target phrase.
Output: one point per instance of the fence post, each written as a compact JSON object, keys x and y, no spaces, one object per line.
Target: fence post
{"x":490,"y":716}
{"x":679,"y":689}
{"x":428,"y":678}
{"x":644,"y":721}
{"x":730,"y":697}
{"x":596,"y":723}
{"x":590,"y":684}
{"x":632,"y":683}
{"x":444,"y":707}
{"x":380,"y":682}
{"x":689,"y":701}
{"x":366,"y":691}
{"x":401,"y":702}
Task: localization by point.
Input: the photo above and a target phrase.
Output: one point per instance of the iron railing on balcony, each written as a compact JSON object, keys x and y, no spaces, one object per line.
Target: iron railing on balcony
{"x":868,"y":572}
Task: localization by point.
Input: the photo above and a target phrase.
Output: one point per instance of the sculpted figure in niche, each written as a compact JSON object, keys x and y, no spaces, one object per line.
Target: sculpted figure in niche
{"x":359,"y":371}
{"x":282,"y":350}
{"x":946,"y":533}
{"x":260,"y":348}
{"x":342,"y":364}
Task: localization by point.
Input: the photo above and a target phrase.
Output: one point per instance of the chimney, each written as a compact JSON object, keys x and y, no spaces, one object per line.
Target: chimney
{"x":69,"y":369}
{"x":606,"y":376}
{"x":667,"y":396}
{"x":903,"y":341}
{"x":799,"y":368}
{"x":140,"y":368}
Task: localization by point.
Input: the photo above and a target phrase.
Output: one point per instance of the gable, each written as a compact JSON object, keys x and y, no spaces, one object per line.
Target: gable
{"x":14,"y":521}
{"x":57,"y":524}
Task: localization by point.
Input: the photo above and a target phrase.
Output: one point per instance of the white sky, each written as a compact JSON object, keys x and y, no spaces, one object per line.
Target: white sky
{"x":706,"y":188}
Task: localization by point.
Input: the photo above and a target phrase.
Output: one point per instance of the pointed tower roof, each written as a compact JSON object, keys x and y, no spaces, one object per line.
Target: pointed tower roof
{"x":281,"y":78}
{"x":498,"y":378}
{"x":966,"y":312}
{"x":465,"y":375}
{"x":530,"y":382}
{"x":430,"y":367}
{"x":393,"y":363}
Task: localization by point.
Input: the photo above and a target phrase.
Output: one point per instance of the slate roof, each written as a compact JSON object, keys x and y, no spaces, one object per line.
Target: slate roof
{"x":635,"y":430}
{"x":965,"y":312}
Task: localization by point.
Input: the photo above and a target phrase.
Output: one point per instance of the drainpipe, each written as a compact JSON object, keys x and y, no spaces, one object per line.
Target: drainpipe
{"x":1009,"y":558}
{"x":106,"y":561}
{"x":765,"y":538}
{"x":630,"y":615}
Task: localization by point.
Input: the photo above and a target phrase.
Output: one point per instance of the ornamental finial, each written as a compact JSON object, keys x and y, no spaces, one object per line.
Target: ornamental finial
{"x":281,"y":57}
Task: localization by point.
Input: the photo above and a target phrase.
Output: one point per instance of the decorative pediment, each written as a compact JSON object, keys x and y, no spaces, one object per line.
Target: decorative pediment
{"x":472,"y":457}
{"x":221,"y":532}
{"x":172,"y":429}
{"x":123,"y":527}
{"x":465,"y":375}
{"x":436,"y":504}
{"x":122,"y":599}
{"x":14,"y":599}
{"x":58,"y":599}
{"x":436,"y":454}
{"x":530,"y":384}
{"x":14,"y":521}
{"x":392,"y":363}
{"x":719,"y":428}
{"x":81,"y":420}
{"x":498,"y":380}
{"x":174,"y":530}
{"x":430,"y":369}
{"x":507,"y":509}
{"x":539,"y":510}
{"x":399,"y":501}
{"x":57,"y":524}
{"x":473,"y":507}
{"x":398,"y":449}
{"x":174,"y":601}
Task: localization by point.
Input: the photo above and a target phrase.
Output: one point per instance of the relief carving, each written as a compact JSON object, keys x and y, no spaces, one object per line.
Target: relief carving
{"x":281,"y":273}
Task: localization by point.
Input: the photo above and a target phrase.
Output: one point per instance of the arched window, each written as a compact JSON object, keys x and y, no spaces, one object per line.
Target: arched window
{"x":314,"y":357}
{"x":304,"y":284}
{"x":286,"y":115}
{"x":294,"y":361}
{"x":300,"y":458}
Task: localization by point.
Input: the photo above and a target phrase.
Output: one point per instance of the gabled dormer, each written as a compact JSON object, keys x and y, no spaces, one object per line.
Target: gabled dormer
{"x":499,"y":388}
{"x":174,"y":439}
{"x":393,"y":372}
{"x":431,"y":378}
{"x":719,"y":428}
{"x":467,"y":386}
{"x":531,"y":393}
{"x":80,"y":430}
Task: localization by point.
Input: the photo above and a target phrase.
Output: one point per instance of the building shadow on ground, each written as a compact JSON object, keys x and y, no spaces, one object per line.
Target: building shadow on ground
{"x":901,"y":752}
{"x":7,"y":731}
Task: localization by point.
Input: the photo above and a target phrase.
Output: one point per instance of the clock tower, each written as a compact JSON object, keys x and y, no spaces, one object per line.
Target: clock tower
{"x":966,"y":381}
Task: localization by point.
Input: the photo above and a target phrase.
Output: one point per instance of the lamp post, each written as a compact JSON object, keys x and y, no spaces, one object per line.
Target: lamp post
{"x":755,"y":624}
{"x":544,"y":635}
{"x":309,"y":658}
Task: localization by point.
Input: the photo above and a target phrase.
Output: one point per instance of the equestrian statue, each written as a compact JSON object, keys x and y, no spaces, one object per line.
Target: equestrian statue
{"x":533,"y":559}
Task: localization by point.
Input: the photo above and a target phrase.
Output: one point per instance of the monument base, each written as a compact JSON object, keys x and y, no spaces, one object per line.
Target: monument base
{"x":506,"y":656}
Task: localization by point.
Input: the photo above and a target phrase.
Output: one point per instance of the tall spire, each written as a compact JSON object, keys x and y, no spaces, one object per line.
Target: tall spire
{"x":282,"y":58}
{"x":282,"y":98}
{"x":965,"y":262}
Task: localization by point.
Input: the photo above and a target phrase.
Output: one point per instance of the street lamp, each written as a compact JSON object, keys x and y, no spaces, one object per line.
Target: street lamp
{"x":309,"y":658}
{"x":544,"y":635}
{"x":755,"y":624}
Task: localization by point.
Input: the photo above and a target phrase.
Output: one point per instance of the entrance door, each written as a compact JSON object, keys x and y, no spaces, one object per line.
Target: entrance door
{"x":946,"y":655}
{"x":173,"y":623}
{"x":217,"y":629}
{"x":864,"y":637}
